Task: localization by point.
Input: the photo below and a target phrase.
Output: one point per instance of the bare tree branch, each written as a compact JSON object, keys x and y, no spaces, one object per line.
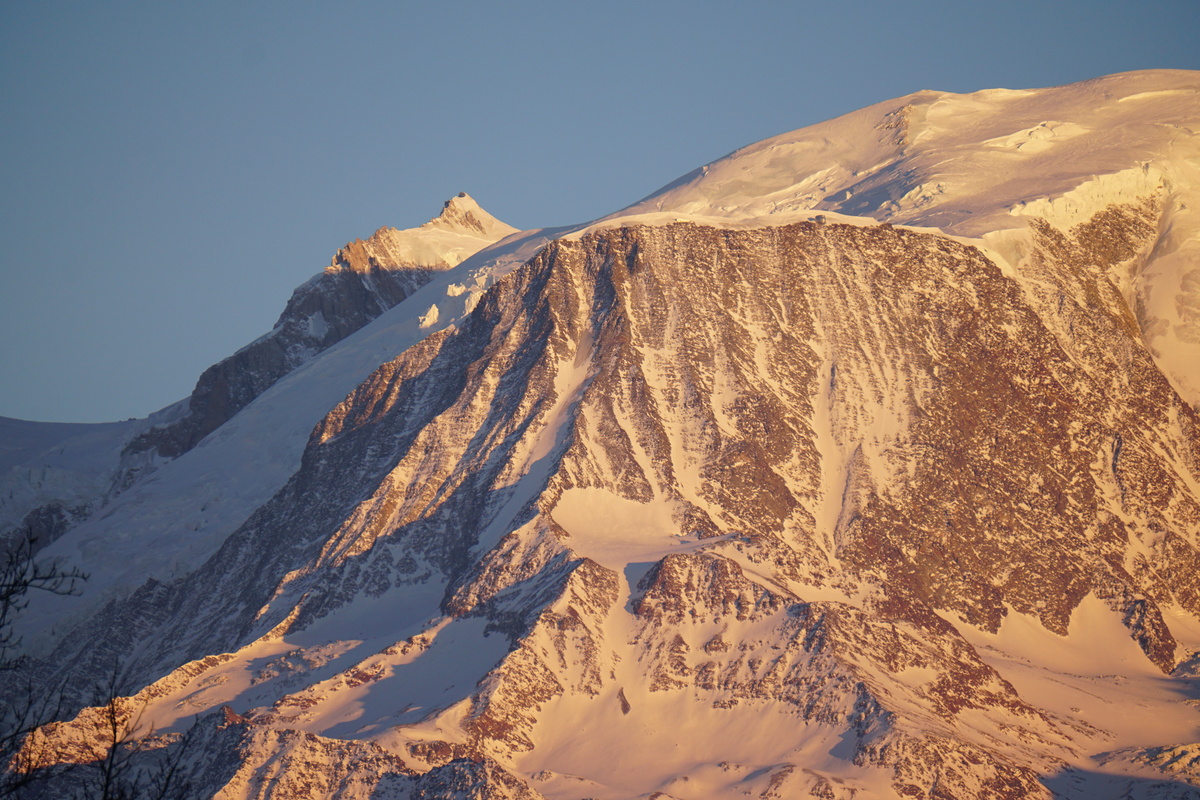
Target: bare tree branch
{"x":22,"y":574}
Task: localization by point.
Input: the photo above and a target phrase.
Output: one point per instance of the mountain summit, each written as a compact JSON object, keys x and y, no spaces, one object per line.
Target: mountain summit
{"x":461,"y":213}
{"x":803,"y":477}
{"x":459,"y":231}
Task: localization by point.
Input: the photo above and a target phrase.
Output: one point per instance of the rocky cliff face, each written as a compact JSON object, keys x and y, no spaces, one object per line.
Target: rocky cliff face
{"x":781,"y":491}
{"x":715,"y":508}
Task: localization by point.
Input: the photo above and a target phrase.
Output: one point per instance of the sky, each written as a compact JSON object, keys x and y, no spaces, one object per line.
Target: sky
{"x":171,"y":171}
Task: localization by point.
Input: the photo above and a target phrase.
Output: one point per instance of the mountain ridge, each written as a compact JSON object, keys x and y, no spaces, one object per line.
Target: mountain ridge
{"x":792,"y":502}
{"x":364,"y":279}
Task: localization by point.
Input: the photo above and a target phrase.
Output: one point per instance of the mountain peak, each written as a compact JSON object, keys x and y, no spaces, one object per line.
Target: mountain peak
{"x":461,"y":230}
{"x":462,"y":213}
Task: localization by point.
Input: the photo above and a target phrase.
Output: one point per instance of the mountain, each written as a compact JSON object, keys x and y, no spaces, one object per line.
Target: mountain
{"x":56,"y":474}
{"x":862,"y":463}
{"x":364,"y":279}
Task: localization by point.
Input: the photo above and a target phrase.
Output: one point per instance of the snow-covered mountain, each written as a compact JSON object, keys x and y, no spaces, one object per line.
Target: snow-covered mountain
{"x":861,"y":463}
{"x":54,"y":475}
{"x":364,"y":279}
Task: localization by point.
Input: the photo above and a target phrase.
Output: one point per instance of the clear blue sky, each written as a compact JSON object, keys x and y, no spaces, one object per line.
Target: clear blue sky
{"x":171,"y":171}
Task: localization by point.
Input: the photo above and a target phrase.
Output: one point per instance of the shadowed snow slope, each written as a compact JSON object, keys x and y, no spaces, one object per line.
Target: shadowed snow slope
{"x":714,"y":498}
